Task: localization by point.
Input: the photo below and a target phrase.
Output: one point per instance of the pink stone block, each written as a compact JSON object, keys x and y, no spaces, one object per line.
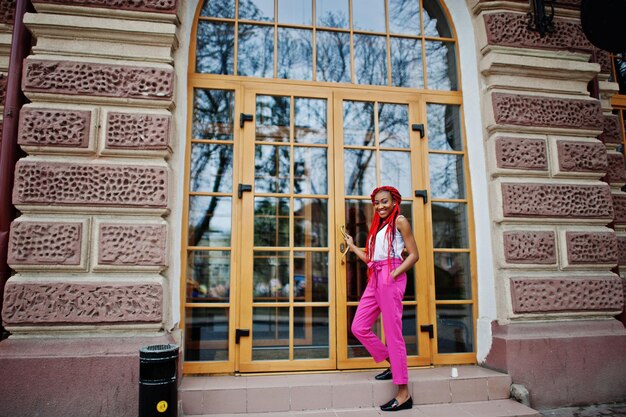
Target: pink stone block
{"x":155,"y":6}
{"x":619,"y":205}
{"x":81,"y":303}
{"x":263,"y":400}
{"x":312,"y":397}
{"x":55,"y":183}
{"x":431,"y":391}
{"x":100,"y":80}
{"x":616,"y":173}
{"x":521,"y":153}
{"x":224,"y":401}
{"x":54,"y":127}
{"x":499,"y":387}
{"x":621,"y":249}
{"x":45,"y":243}
{"x":126,"y":244}
{"x":612,"y":130}
{"x":463,"y":390}
{"x":591,"y":247}
{"x":529,"y":247}
{"x":7,"y":12}
{"x":352,"y":395}
{"x":581,"y":156}
{"x":137,"y":131}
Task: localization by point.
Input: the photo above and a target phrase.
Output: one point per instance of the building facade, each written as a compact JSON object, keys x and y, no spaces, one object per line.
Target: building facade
{"x":188,"y":168}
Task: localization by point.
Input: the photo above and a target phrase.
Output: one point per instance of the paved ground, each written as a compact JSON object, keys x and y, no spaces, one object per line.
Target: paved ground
{"x":604,"y":410}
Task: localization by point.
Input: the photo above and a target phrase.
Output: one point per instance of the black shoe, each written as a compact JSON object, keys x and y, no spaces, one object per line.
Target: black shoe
{"x":386,"y":374}
{"x":393,"y":405}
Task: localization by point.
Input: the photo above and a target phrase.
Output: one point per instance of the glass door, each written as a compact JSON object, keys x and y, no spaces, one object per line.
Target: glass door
{"x":287,"y":311}
{"x":379,"y":143}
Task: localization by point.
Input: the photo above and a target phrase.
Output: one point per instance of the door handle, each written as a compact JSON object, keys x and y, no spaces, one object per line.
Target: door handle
{"x":342,"y":247}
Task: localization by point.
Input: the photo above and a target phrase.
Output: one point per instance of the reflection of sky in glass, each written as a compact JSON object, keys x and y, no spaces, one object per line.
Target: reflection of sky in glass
{"x":441,"y":66}
{"x":213,"y":114}
{"x":211,"y":167}
{"x":360,"y":171}
{"x":333,"y":56}
{"x":255,"y":55}
{"x":310,"y":120}
{"x":447,"y":177}
{"x":271,"y":164}
{"x":393,"y":125}
{"x":295,"y":54}
{"x":296,"y":12}
{"x":435,"y":22}
{"x":368,"y":15}
{"x":395,"y":170}
{"x":332,"y":13}
{"x":209,"y":221}
{"x":406,"y":63}
{"x":444,"y":130}
{"x":260,"y":10}
{"x":215,"y":48}
{"x":455,"y":328}
{"x":370,"y":59}
{"x":358,"y":123}
{"x":310,"y":171}
{"x":219,"y":8}
{"x":404,"y":17}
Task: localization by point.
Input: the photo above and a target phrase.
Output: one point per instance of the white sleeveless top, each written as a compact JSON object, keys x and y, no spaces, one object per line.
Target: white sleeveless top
{"x":380,"y":250}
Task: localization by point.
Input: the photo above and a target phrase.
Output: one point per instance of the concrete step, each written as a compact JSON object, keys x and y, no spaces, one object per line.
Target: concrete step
{"x":344,"y":392}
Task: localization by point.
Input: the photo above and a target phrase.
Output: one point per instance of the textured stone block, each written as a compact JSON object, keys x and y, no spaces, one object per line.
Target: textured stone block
{"x":45,"y":243}
{"x":621,"y":250}
{"x":616,"y":173}
{"x":611,"y":129}
{"x":54,"y":127}
{"x":91,"y":79}
{"x":591,"y":247}
{"x":3,"y":88}
{"x":511,"y":29}
{"x":521,"y":153}
{"x":526,"y":247}
{"x":554,"y":295}
{"x":132,"y":245}
{"x":581,"y":156}
{"x":619,"y":205}
{"x":137,"y":131}
{"x":556,"y":200}
{"x":546,"y":111}
{"x":81,"y":303}
{"x":159,"y":6}
{"x":604,"y":59}
{"x":54,"y":183}
{"x":7,"y":11}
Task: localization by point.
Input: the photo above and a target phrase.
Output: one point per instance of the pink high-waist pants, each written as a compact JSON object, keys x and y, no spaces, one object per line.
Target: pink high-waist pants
{"x":383,"y":294}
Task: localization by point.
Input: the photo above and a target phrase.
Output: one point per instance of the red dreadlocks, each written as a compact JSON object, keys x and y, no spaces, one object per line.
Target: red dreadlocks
{"x":378,"y":223}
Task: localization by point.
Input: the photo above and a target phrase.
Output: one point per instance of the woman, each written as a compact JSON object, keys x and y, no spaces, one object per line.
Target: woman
{"x":389,"y":234}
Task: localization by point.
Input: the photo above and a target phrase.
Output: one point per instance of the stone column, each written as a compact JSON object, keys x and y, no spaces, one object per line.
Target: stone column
{"x":90,"y":247}
{"x":554,"y":254}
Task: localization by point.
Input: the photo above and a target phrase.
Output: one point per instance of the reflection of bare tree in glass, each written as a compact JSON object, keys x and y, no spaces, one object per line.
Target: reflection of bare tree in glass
{"x":213,"y":117}
{"x":403,"y":15}
{"x":219,"y":8}
{"x":333,"y":50}
{"x":355,"y":184}
{"x":370,"y":59}
{"x":295,"y":54}
{"x":620,"y":70}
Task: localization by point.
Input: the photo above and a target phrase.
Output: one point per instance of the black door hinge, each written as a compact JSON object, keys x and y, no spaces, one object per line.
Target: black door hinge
{"x":243,"y":188}
{"x":239,"y":333}
{"x":423,"y":194}
{"x":243,"y":118}
{"x":418,"y":127}
{"x":428,"y":328}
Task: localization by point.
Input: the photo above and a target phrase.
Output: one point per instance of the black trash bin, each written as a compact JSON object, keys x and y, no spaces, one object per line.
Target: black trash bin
{"x":158,"y":395}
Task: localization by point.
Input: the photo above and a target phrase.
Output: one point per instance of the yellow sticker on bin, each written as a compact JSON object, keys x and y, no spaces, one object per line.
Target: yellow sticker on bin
{"x":162,"y":406}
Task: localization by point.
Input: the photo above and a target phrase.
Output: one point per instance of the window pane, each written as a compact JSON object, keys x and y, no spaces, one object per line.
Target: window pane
{"x":219,"y":8}
{"x":444,"y":127}
{"x":206,"y":334}
{"x":310,"y":331}
{"x":441,"y":66}
{"x":310,"y":171}
{"x":395,"y":170}
{"x":450,"y":225}
{"x":358,"y":123}
{"x":209,"y":221}
{"x":208,"y":276}
{"x":310,"y":222}
{"x":295,"y":54}
{"x":271,"y":165}
{"x":215,"y":48}
{"x":435,"y":22}
{"x":270,"y":333}
{"x":360,"y":171}
{"x":260,"y":10}
{"x":332,"y":13}
{"x":619,"y":62}
{"x":406,"y":63}
{"x":455,"y":331}
{"x":211,"y":167}
{"x":447,"y":176}
{"x":409,"y":330}
{"x":255,"y":55}
{"x":213,"y":114}
{"x":333,"y":56}
{"x":310,"y":276}
{"x":404,"y":17}
{"x":393,"y":125}
{"x":272,"y":118}
{"x":310,"y":121}
{"x":298,"y":12}
{"x":453,"y":276}
{"x":271,"y":276}
{"x":370,"y":59}
{"x":355,"y":348}
{"x":271,"y":221}
{"x":368,"y":15}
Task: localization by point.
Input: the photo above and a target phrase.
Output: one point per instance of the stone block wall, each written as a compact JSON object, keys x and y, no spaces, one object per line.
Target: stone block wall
{"x":89,"y":248}
{"x":555,"y":179}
